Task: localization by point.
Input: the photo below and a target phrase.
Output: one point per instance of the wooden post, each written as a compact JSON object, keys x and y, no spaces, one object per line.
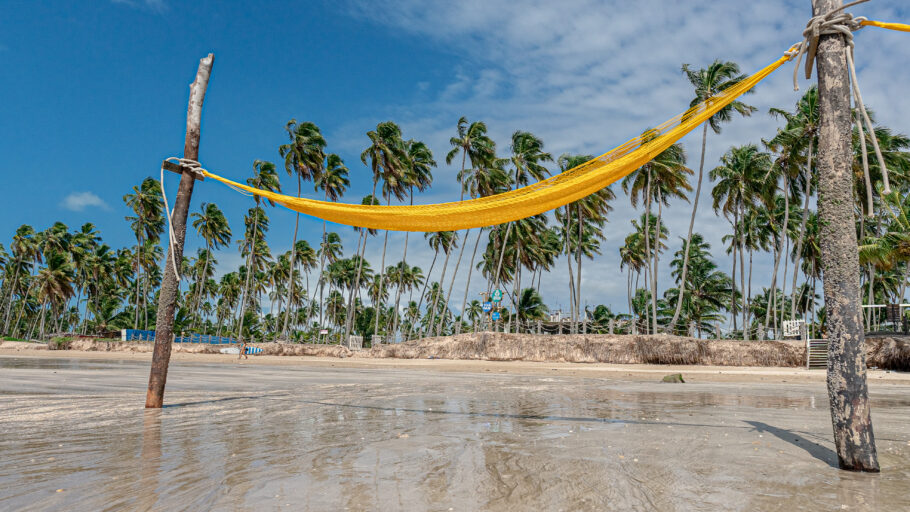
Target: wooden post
{"x":167,"y":300}
{"x":847,"y":390}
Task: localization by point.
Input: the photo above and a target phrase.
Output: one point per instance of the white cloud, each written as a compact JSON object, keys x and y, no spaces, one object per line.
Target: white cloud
{"x":78,"y":201}
{"x":587,"y":75}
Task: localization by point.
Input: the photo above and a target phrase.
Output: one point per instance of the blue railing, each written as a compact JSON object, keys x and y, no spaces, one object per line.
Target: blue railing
{"x":141,"y":335}
{"x":204,"y":338}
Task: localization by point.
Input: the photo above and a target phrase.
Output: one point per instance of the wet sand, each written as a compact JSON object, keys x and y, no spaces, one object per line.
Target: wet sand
{"x":632,"y":372}
{"x":429,"y":435}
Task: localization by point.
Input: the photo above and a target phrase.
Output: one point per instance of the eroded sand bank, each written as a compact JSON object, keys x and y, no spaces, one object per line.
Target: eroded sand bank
{"x":399,"y":435}
{"x":643,"y":372}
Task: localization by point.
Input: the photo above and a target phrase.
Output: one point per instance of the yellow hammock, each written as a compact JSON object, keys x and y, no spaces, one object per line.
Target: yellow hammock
{"x":540,"y":197}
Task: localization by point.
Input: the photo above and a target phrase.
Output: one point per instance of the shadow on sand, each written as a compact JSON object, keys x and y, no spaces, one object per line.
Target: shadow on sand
{"x":814,"y":449}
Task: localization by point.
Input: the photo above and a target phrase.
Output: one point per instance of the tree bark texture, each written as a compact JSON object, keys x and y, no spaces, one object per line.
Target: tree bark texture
{"x":164,"y":326}
{"x":847,"y":389}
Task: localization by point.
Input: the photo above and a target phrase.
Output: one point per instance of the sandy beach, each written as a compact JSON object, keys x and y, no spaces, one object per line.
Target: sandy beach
{"x":289,"y":433}
{"x":633,"y":372}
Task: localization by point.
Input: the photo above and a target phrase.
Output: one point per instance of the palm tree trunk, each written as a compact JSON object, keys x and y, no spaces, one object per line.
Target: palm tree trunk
{"x":426,"y":282}
{"x":41,"y":327}
{"x":742,"y":277}
{"x":779,"y":254}
{"x":28,"y":292}
{"x":629,"y":288}
{"x":870,"y":299}
{"x":138,"y":279}
{"x":287,"y":311}
{"x":734,"y":245}
{"x":349,"y":313}
{"x":802,"y":233}
{"x":517,"y":292}
{"x":377,"y":306}
{"x":571,"y":273}
{"x":322,"y":279}
{"x":145,"y":301}
{"x":660,"y":211}
{"x":403,"y":268}
{"x":455,"y":273}
{"x":201,"y":284}
{"x":648,"y":238}
{"x":502,"y":252}
{"x":749,"y":291}
{"x":435,"y":301}
{"x":783,"y":285}
{"x":467,"y":286}
{"x":249,"y":272}
{"x":581,"y":312}
{"x":685,"y":267}
{"x":903,"y":291}
{"x":12,"y":290}
{"x":847,"y":388}
{"x":569,"y":265}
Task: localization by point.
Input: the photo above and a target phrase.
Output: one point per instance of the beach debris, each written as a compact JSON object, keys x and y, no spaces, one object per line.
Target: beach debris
{"x":674,"y":378}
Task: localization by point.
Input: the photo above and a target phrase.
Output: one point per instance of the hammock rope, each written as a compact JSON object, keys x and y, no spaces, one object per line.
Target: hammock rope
{"x":840,"y":22}
{"x":585,"y":179}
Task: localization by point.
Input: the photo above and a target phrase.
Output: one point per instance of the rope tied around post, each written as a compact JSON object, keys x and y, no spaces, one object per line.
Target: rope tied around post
{"x":839,"y":22}
{"x":185,"y":165}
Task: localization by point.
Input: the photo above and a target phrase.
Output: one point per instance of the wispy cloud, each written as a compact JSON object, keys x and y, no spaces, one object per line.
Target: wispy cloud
{"x":78,"y":201}
{"x":587,"y":75}
{"x":151,"y":5}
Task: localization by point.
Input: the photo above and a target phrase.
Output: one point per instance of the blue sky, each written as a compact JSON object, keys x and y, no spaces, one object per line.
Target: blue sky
{"x":94,"y":94}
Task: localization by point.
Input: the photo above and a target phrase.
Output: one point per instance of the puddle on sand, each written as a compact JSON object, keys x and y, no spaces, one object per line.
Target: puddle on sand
{"x":255,"y":437}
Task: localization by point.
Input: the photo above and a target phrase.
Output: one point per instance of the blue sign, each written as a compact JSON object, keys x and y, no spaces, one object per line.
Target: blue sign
{"x":487,"y":307}
{"x":495,"y":316}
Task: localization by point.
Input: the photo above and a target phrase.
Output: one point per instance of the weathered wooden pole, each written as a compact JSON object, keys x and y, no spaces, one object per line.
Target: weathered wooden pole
{"x":164,"y":326}
{"x":847,"y":390}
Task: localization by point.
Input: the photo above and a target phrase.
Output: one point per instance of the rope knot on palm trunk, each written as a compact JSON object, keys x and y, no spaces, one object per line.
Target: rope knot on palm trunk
{"x":186,"y":165}
{"x":839,"y":22}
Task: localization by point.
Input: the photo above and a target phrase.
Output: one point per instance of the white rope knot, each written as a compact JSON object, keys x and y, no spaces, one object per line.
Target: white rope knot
{"x":839,"y":22}
{"x":186,"y":165}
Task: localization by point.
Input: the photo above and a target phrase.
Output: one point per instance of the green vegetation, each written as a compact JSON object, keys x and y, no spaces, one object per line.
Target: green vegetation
{"x":60,"y":280}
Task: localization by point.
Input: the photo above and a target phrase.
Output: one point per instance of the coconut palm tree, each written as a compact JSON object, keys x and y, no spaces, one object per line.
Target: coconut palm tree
{"x":333,"y":182}
{"x":24,"y":249}
{"x":708,"y":82}
{"x":800,"y":132}
{"x":530,"y":307}
{"x":632,"y":256}
{"x":742,"y":182}
{"x":475,"y":146}
{"x":590,"y":213}
{"x":264,"y":178}
{"x":888,"y":250}
{"x":303,"y":156}
{"x":330,"y":251}
{"x":306,"y":259}
{"x":663,"y":178}
{"x":361,"y":251}
{"x":445,"y":240}
{"x":83,"y":245}
{"x":147,"y":223}
{"x":54,"y":283}
{"x":487,"y":177}
{"x":389,"y":163}
{"x":706,"y":288}
{"x":213,"y":227}
{"x":418,"y":175}
{"x":527,"y":159}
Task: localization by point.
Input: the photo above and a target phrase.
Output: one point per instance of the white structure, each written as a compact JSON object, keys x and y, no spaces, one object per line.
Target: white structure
{"x":793,"y":328}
